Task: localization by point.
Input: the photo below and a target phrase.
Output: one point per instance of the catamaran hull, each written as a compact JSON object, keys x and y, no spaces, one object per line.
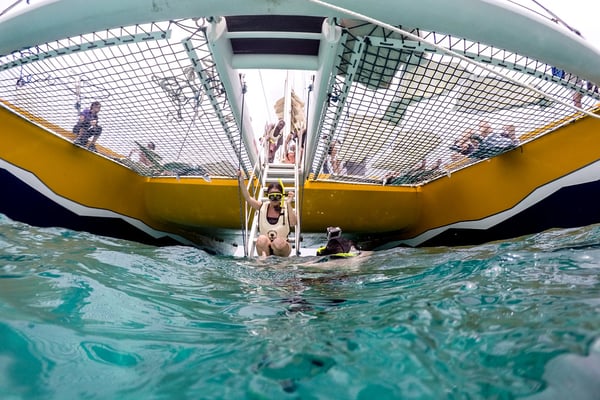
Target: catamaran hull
{"x":569,"y":207}
{"x":392,"y":92}
{"x":548,"y":183}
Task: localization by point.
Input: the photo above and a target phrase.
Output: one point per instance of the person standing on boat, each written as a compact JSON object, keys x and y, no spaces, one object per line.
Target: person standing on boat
{"x":332,"y":164}
{"x":275,"y":219}
{"x":81,"y":129}
{"x":274,"y":138}
{"x":141,"y":155}
{"x":290,"y":154}
{"x":295,"y":140}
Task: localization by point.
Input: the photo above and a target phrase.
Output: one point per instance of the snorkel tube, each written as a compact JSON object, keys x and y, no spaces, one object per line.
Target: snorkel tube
{"x":282,"y":193}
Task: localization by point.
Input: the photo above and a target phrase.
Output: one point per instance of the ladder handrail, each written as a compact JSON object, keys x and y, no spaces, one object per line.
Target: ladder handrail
{"x":249,"y":245}
{"x":252,"y":234}
{"x":298,"y":201}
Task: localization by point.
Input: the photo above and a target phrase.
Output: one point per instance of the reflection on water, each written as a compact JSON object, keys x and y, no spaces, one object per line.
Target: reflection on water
{"x":83,"y":316}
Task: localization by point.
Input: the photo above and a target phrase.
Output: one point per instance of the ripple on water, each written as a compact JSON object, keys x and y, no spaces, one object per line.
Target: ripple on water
{"x":83,"y":316}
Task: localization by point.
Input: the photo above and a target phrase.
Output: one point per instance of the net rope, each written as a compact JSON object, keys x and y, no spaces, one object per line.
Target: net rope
{"x":149,"y":92}
{"x":403,"y":104}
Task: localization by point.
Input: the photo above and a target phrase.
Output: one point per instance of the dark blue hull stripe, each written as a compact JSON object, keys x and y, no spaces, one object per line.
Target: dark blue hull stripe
{"x":570,"y":207}
{"x":575,"y":204}
{"x":23,"y":203}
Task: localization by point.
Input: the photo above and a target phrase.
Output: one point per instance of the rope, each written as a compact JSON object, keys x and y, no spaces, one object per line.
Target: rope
{"x":13,"y":5}
{"x":241,"y":202}
{"x":197,"y":101}
{"x":558,"y":20}
{"x":187,"y":132}
{"x":269,"y":109}
{"x":451,"y":53}
{"x":300,"y":147}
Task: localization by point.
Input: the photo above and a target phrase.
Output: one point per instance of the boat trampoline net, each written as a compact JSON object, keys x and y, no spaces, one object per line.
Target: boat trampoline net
{"x":398,"y":111}
{"x":156,"y":84}
{"x":404,"y":112}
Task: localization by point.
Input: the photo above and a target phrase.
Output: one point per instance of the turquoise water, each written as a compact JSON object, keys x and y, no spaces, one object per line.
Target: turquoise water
{"x":88,"y":317}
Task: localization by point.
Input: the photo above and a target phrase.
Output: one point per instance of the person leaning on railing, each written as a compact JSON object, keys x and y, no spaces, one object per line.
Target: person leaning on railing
{"x":275,"y":219}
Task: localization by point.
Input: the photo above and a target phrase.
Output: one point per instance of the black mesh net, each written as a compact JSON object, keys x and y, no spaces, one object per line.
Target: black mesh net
{"x":399,"y":111}
{"x":157,"y":86}
{"x":403,"y":112}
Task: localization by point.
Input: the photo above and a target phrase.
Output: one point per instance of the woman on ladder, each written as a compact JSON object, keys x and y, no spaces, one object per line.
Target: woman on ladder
{"x":275,"y":218}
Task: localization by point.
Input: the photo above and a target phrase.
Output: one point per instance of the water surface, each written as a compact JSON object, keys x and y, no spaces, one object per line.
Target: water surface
{"x":84,"y":316}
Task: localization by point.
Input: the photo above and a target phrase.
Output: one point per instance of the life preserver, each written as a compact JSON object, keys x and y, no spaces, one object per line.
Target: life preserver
{"x":280,"y":229}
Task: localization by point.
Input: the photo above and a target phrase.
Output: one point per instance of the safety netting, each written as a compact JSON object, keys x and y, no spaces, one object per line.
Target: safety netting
{"x":164,"y":110}
{"x":404,"y":111}
{"x":400,"y":110}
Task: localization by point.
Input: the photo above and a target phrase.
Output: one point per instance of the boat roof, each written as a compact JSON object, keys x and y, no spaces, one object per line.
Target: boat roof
{"x":497,"y":23}
{"x":394,"y":84}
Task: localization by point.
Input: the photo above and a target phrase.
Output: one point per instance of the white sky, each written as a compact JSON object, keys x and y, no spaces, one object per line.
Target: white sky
{"x":583,"y":15}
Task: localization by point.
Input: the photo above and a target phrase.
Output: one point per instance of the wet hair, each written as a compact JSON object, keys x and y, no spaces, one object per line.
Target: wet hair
{"x":274,"y":185}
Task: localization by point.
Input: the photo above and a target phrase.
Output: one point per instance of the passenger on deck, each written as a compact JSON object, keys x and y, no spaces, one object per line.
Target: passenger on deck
{"x":290,"y":154}
{"x":138,"y":155}
{"x":577,"y":98}
{"x":81,"y":126}
{"x":300,"y":138}
{"x":466,"y":144}
{"x":332,"y":165}
{"x":492,"y":143}
{"x":577,"y":95}
{"x":84,"y":124}
{"x":92,"y":112}
{"x":94,"y":131}
{"x":419,"y":173}
{"x":508,"y":131}
{"x":275,"y":219}
{"x":273,"y":138}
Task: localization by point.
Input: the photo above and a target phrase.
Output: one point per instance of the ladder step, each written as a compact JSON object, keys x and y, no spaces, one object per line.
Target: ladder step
{"x":276,"y":179}
{"x":276,"y":173}
{"x":282,"y":165}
